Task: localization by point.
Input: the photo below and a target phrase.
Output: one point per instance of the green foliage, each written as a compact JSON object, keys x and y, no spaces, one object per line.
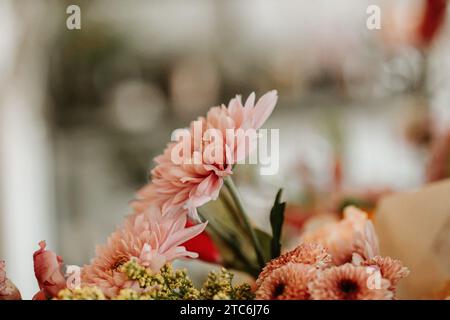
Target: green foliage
{"x":218,"y":286}
{"x":84,"y":293}
{"x":265,"y":240}
{"x":276,"y":222}
{"x":167,"y":284}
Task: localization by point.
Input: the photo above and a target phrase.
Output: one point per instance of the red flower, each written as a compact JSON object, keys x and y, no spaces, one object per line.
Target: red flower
{"x":204,"y":246}
{"x":432,"y":20}
{"x":47,"y":269}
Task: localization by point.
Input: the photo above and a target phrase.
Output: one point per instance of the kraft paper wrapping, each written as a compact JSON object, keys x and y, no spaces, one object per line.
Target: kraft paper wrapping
{"x":415,"y":228}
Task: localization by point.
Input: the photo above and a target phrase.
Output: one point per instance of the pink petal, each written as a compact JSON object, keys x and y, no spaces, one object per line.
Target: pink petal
{"x":264,"y":108}
{"x":183,"y":236}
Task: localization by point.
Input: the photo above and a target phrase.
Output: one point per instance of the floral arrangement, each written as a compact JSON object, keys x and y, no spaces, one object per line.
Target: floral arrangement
{"x":350,"y":268}
{"x":173,"y":217}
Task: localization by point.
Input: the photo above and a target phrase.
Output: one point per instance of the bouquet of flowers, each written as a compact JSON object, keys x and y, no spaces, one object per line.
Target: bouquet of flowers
{"x":174,"y":217}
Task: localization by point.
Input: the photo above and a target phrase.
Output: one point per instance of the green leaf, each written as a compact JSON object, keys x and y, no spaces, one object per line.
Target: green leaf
{"x":276,"y":222}
{"x":265,"y":240}
{"x":233,"y":247}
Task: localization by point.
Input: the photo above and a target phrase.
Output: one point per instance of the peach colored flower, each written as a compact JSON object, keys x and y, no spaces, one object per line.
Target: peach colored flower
{"x":206,"y":159}
{"x":8,"y":290}
{"x":149,"y":237}
{"x":306,"y":253}
{"x":48,"y":271}
{"x":391,"y":269}
{"x":347,"y":282}
{"x":365,"y":243}
{"x":289,"y":282}
{"x":180,"y":186}
{"x":342,"y":239}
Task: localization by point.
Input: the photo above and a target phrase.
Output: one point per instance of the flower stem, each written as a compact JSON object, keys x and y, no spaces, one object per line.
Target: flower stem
{"x":228,"y":181}
{"x":224,"y":236}
{"x":231,"y":207}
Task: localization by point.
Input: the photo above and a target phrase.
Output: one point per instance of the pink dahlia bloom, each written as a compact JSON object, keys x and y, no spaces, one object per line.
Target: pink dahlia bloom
{"x":190,"y":172}
{"x":48,"y":272}
{"x":8,"y":290}
{"x":149,"y":237}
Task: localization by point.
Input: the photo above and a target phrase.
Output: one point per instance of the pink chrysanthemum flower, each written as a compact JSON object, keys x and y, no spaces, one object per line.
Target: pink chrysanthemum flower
{"x":342,"y":239}
{"x":348,"y":282}
{"x":307,"y":253}
{"x":214,"y":144}
{"x":8,"y":290}
{"x":149,"y":237}
{"x":289,"y":282}
{"x":390,"y":269}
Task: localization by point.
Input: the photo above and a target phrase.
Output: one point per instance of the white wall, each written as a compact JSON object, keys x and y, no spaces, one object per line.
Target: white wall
{"x":25,"y":176}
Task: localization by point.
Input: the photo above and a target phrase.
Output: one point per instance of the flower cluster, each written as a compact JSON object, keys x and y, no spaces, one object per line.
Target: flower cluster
{"x":150,"y":237}
{"x":155,"y":234}
{"x":343,"y":263}
{"x":83,"y":293}
{"x":166,"y":284}
{"x":218,"y":286}
{"x":339,"y":260}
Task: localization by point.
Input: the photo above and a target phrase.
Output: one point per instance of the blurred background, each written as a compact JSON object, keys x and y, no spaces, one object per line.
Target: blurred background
{"x":83,"y":112}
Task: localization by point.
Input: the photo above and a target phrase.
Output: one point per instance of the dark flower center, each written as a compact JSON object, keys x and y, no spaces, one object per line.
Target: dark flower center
{"x":117,"y":264}
{"x":278,"y":290}
{"x":348,"y":258}
{"x":349,"y":288}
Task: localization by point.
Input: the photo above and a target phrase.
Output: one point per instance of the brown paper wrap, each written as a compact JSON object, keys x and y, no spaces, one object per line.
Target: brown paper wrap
{"x":414,"y":227}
